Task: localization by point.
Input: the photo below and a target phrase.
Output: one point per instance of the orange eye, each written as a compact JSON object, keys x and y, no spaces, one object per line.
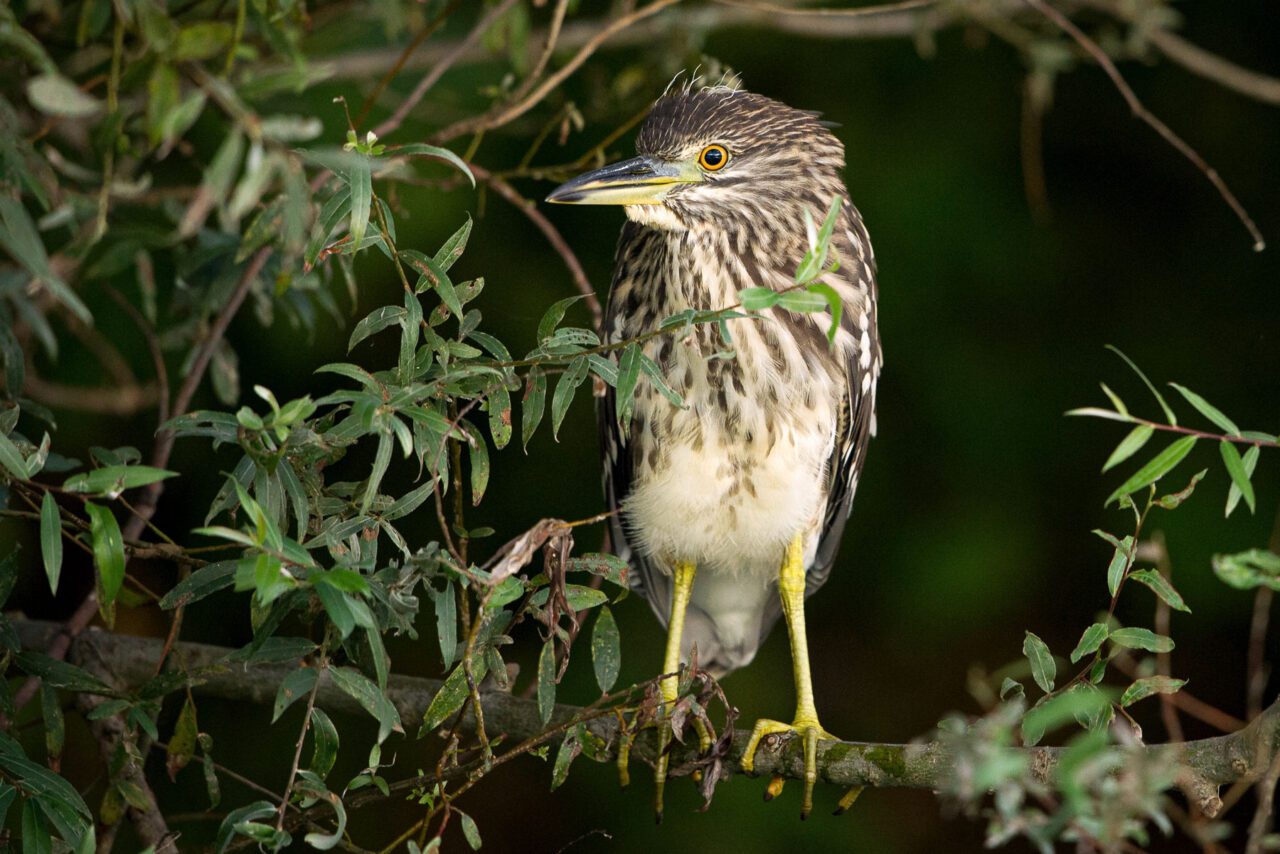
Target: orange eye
{"x":713,"y":157}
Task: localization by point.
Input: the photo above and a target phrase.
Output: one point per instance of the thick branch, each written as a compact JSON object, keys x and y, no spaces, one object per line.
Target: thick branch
{"x":1207,"y":763}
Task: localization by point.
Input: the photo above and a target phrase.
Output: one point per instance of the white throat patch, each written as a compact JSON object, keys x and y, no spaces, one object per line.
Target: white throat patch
{"x":654,"y":216}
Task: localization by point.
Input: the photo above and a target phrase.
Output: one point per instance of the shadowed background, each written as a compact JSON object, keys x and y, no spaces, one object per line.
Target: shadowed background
{"x":973,"y":516}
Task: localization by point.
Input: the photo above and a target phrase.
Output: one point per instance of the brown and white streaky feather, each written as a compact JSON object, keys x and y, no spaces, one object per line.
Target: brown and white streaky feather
{"x":773,"y":437}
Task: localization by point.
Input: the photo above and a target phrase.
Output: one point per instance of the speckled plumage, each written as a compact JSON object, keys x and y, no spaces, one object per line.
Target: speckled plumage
{"x":773,"y":437}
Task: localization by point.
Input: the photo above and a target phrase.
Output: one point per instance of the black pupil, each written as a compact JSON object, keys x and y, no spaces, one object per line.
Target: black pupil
{"x":713,"y":157}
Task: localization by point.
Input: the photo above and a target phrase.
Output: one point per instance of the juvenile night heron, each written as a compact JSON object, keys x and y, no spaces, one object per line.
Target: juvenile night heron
{"x":753,"y":479}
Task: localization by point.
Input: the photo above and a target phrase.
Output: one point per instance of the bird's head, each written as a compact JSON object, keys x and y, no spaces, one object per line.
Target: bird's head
{"x":719,"y":157}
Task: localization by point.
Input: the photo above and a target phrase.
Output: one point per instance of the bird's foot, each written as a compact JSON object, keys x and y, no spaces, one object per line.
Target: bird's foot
{"x":806,"y":728}
{"x":627,"y":738}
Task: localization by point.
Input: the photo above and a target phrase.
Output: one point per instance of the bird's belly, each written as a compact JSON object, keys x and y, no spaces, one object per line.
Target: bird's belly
{"x":727,"y":503}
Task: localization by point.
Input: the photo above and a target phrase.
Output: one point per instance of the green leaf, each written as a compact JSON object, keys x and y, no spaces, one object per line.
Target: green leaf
{"x":1168,"y":411}
{"x":376,"y":321}
{"x":182,"y":744}
{"x":569,"y":749}
{"x":108,"y":554}
{"x":804,"y":301}
{"x":1162,"y":587}
{"x":357,"y":685}
{"x":19,"y":237}
{"x":11,"y":458}
{"x":361,"y":184}
{"x":453,"y":248}
{"x":758,"y":299}
{"x":51,"y":540}
{"x":478,"y":457}
{"x":1043,"y":668}
{"x":553,"y":315}
{"x":293,"y":687}
{"x":606,"y":650}
{"x":55,"y":724}
{"x":237,"y":818}
{"x":55,"y":95}
{"x":325,"y":743}
{"x":380,"y":462}
{"x":628,"y":376}
{"x":1091,"y":641}
{"x":565,"y":388}
{"x":470,"y":831}
{"x":1174,"y":500}
{"x":1248,"y":569}
{"x":1129,"y":446}
{"x":1135,"y":638}
{"x":1249,"y":462}
{"x":202,"y":40}
{"x":452,"y":694}
{"x":500,"y":415}
{"x":421,"y":148}
{"x":1144,"y":688}
{"x":1160,"y":465}
{"x":659,"y":381}
{"x":834,"y":304}
{"x":1239,"y":476}
{"x":1120,"y":561}
{"x":1208,"y":410}
{"x":35,"y":832}
{"x":610,"y":567}
{"x":112,"y":480}
{"x":338,"y":607}
{"x":62,"y":674}
{"x":446,"y":608}
{"x":531,"y":408}
{"x":547,"y":680}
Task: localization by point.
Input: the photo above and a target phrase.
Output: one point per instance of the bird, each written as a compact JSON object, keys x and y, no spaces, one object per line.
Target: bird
{"x":731,"y":505}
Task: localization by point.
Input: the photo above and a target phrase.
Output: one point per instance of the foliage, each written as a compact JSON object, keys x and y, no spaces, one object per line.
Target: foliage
{"x":107,"y":188}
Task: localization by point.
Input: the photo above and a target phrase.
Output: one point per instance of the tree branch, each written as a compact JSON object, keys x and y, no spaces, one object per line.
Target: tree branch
{"x":1206,"y":764}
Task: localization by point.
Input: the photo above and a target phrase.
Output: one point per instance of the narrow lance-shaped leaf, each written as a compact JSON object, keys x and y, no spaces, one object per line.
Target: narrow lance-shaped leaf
{"x":1136,"y":638}
{"x":565,"y":388}
{"x":1162,"y":587}
{"x":1144,"y":688}
{"x":1168,"y":411}
{"x":1239,"y":476}
{"x":361,"y":183}
{"x":1090,"y":641}
{"x":1249,"y":462}
{"x":1129,"y":446}
{"x":553,"y":315}
{"x":108,"y":554}
{"x":325,"y":747}
{"x":1208,"y":410}
{"x":500,"y":416}
{"x":478,"y":456}
{"x":1160,"y":465}
{"x":51,"y":540}
{"x":531,"y":409}
{"x":1043,"y":668}
{"x":628,"y":377}
{"x":1119,"y":563}
{"x":547,"y":680}
{"x":606,"y":650}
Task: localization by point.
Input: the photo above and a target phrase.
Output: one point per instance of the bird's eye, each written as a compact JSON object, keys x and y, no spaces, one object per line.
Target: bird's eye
{"x":713,"y":157}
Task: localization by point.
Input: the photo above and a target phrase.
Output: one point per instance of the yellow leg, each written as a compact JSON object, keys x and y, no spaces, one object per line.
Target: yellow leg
{"x":805,"y":724}
{"x":681,"y":590}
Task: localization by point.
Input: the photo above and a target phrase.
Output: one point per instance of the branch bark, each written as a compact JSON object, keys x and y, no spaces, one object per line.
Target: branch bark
{"x":1206,"y":764}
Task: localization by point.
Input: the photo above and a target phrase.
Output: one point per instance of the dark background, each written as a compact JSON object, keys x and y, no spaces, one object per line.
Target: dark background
{"x":972,"y":520}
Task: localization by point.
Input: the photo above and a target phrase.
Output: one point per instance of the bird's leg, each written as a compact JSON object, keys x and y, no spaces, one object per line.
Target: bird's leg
{"x":681,"y":590}
{"x":791,"y":589}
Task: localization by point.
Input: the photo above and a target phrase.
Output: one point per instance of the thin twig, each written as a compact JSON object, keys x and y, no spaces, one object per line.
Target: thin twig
{"x":408,"y":51}
{"x":302,"y":739}
{"x":503,"y":114}
{"x":424,"y":85}
{"x":1141,"y":112}
{"x":855,"y":12}
{"x":553,"y":236}
{"x":1168,"y":709}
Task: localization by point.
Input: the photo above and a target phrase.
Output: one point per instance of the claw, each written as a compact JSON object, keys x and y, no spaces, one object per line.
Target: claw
{"x":775,"y":787}
{"x":812,"y":732}
{"x":847,"y":799}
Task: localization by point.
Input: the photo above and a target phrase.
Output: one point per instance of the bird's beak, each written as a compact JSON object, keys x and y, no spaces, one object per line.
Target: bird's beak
{"x":638,"y":181}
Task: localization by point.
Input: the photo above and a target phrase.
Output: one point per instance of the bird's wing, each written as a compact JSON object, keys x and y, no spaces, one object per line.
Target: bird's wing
{"x":857,"y":408}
